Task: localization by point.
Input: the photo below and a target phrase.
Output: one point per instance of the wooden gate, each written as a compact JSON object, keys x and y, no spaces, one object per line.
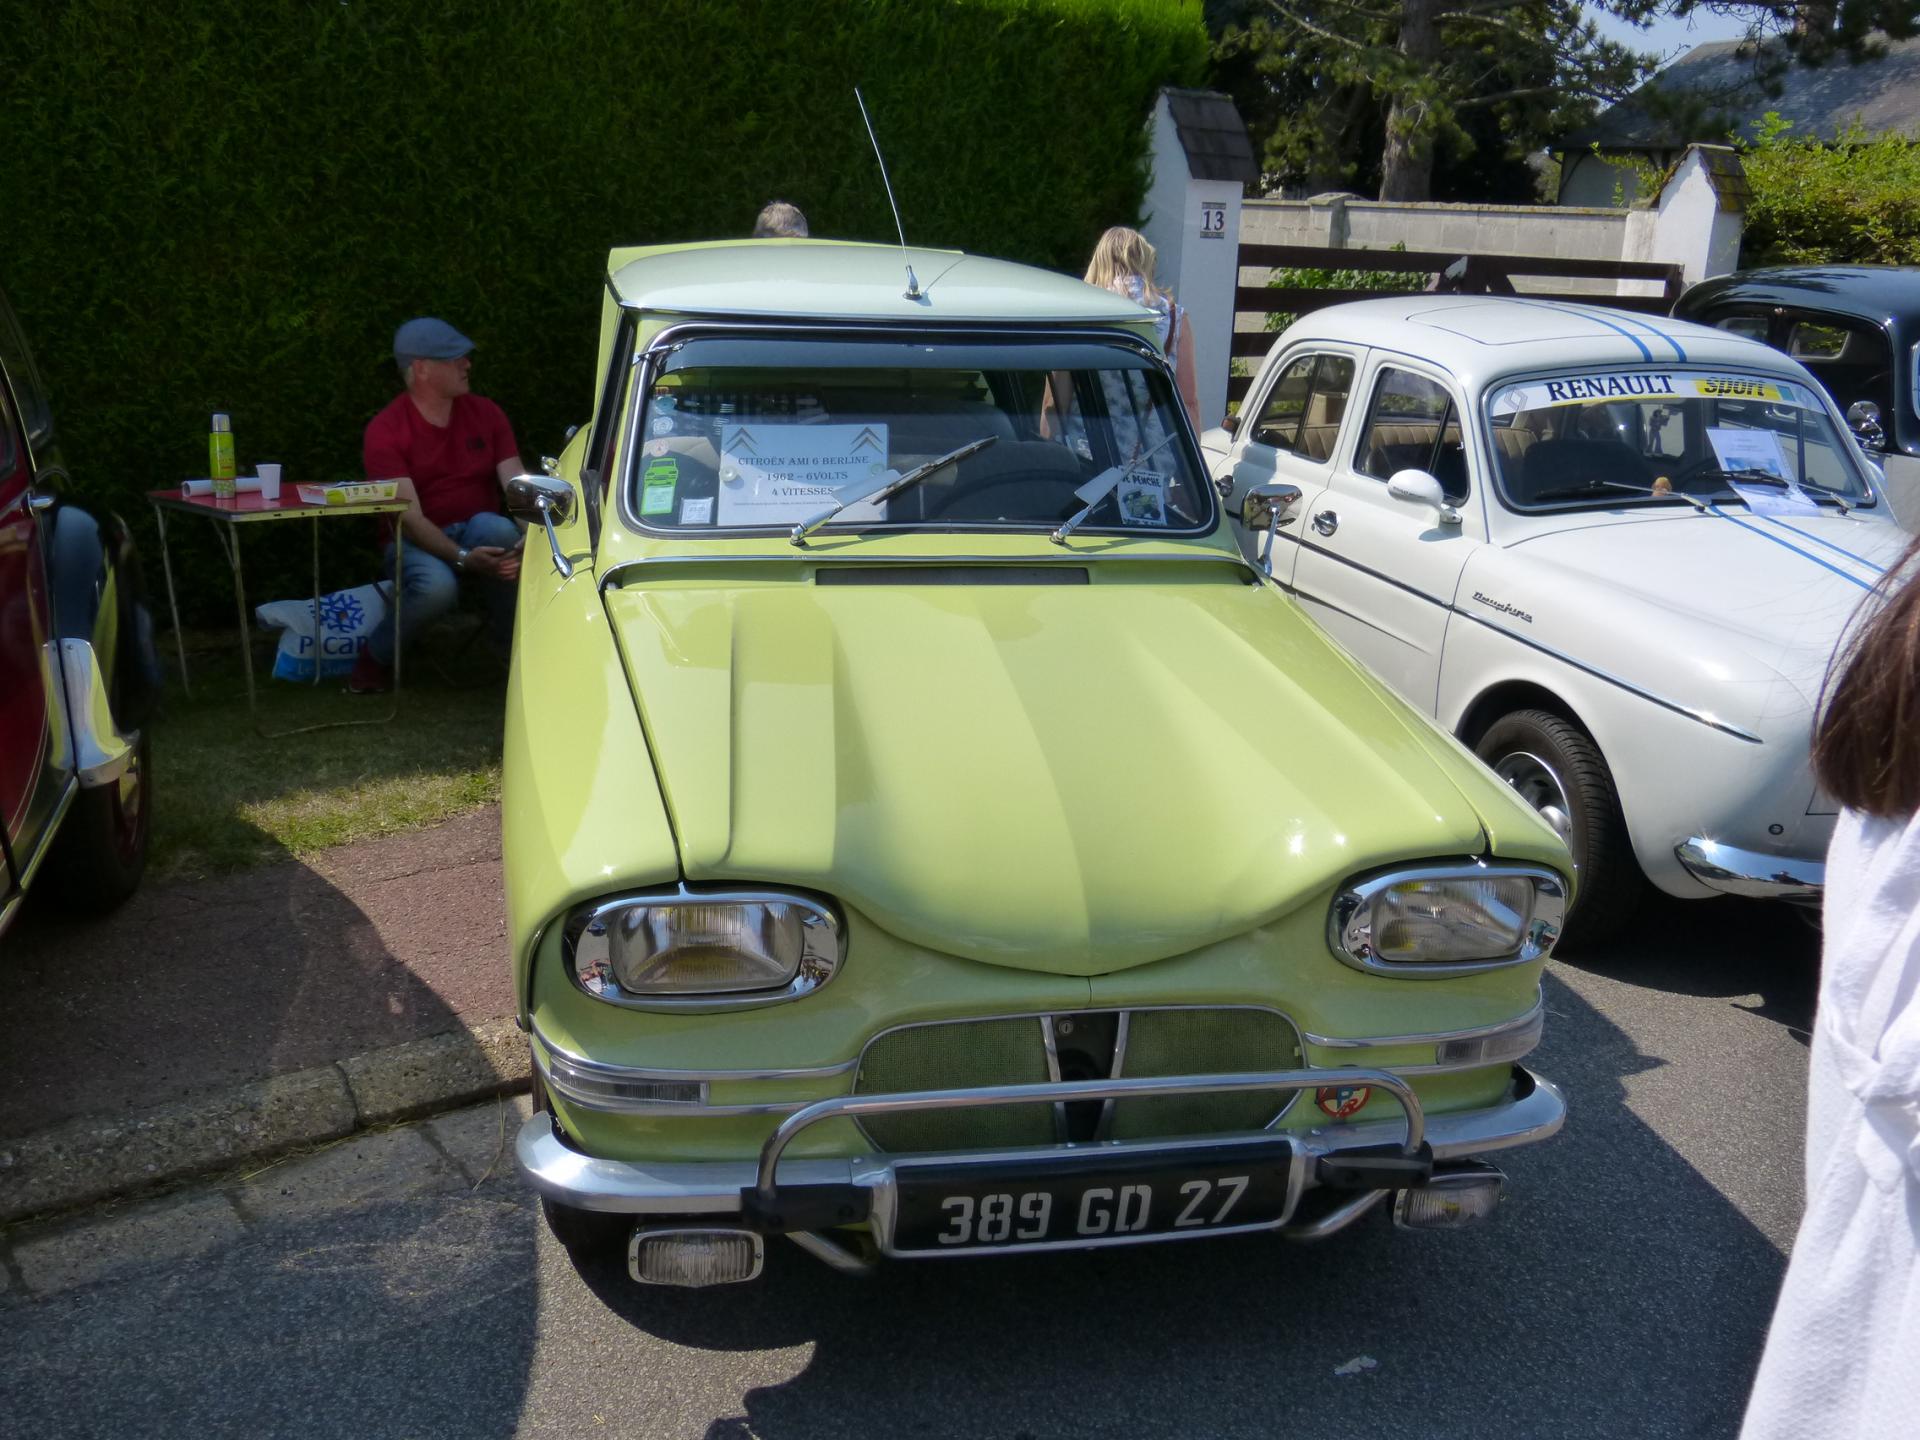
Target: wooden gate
{"x":1444,"y":273}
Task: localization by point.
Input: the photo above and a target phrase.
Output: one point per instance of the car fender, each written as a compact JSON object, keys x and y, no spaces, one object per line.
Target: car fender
{"x":99,"y":599}
{"x":1688,"y":756}
{"x":581,"y":812}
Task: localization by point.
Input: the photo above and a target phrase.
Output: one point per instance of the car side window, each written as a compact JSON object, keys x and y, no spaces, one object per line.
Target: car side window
{"x":17,"y":361}
{"x":1853,"y":360}
{"x":10,"y":453}
{"x":1302,"y":413}
{"x":1754,"y":327}
{"x":1278,"y":423}
{"x":1412,"y":425}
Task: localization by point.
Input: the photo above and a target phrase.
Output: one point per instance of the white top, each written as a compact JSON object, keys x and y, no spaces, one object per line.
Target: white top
{"x":1843,"y":1357}
{"x":1480,"y":338}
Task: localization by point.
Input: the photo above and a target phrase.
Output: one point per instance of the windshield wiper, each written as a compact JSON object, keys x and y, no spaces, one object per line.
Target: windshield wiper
{"x":1097,"y":489}
{"x":1814,"y":492}
{"x":882,"y":488}
{"x":1822,"y":492}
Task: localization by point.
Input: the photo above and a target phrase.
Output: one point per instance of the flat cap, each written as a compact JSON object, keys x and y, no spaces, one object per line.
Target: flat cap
{"x":427,"y":338}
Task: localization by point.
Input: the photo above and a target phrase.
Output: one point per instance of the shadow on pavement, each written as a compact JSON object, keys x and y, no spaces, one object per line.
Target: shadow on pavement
{"x":196,"y":986}
{"x":1728,"y":948}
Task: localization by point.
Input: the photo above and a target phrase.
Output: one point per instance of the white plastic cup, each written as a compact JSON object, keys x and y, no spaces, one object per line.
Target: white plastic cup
{"x":269,"y":482}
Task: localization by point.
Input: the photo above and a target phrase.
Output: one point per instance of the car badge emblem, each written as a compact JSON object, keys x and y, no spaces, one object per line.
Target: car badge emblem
{"x":1340,"y":1101}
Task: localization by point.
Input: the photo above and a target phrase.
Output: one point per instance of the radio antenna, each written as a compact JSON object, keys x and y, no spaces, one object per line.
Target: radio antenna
{"x":913,"y":283}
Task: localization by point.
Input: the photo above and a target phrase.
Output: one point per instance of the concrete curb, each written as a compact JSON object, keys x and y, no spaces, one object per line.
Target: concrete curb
{"x":91,"y":1159}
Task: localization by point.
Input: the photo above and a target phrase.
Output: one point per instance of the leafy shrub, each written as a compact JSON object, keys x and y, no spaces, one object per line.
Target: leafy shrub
{"x":1312,"y":278}
{"x":1854,"y":199}
{"x":230,"y":205}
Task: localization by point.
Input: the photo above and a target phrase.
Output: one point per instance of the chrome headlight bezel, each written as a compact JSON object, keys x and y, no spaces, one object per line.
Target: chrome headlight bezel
{"x":1349,"y":921}
{"x":586,"y":950}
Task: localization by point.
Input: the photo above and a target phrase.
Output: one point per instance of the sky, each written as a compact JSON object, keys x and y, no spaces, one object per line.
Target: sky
{"x":1668,"y":38}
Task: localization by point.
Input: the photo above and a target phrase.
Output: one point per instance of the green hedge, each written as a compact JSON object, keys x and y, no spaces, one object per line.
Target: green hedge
{"x":1852,"y":200}
{"x":230,"y":204}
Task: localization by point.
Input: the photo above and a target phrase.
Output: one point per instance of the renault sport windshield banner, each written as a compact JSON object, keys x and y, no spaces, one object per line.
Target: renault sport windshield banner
{"x":1608,"y":385}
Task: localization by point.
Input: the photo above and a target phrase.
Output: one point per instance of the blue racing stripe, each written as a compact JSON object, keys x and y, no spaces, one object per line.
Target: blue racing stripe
{"x":1874,"y":566}
{"x":1655,"y":330}
{"x":1639,"y":344}
{"x":1846,"y":575}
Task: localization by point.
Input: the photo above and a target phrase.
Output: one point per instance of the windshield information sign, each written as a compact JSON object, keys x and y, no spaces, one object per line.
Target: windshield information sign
{"x":781,"y":474}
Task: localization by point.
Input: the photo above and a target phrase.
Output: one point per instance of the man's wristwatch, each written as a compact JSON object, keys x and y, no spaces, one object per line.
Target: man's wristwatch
{"x":460,"y":560}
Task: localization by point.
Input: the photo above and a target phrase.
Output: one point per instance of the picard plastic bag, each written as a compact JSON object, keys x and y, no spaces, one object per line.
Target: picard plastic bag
{"x":347,"y":618}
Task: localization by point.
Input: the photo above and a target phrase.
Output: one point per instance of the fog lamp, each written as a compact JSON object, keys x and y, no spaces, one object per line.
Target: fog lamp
{"x":694,"y":1258}
{"x":1451,"y":1200}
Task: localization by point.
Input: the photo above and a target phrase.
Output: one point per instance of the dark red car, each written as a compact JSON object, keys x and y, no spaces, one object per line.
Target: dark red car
{"x":78,"y":671}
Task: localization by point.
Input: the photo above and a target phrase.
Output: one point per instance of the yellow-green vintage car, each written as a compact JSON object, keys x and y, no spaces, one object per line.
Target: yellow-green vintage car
{"x":928,"y":835}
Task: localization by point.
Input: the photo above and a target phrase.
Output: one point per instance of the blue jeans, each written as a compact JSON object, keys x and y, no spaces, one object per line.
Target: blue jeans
{"x":431,"y":587}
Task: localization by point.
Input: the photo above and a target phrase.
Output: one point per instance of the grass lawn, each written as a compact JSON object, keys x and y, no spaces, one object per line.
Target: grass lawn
{"x":225,"y":798}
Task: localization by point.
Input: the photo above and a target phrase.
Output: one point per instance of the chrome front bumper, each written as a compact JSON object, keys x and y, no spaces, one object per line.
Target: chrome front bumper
{"x":1747,"y":872}
{"x":741,"y":1190}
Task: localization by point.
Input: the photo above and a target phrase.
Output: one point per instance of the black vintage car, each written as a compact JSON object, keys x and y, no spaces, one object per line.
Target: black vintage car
{"x":78,"y":671}
{"x":1857,"y":328}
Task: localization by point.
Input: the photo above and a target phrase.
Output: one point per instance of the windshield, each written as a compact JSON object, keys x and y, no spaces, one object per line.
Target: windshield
{"x":828,"y":436}
{"x":1648,"y":436}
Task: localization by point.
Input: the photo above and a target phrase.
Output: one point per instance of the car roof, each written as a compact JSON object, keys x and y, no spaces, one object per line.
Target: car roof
{"x":1879,"y":294}
{"x":1478,"y":337}
{"x":841,"y":280}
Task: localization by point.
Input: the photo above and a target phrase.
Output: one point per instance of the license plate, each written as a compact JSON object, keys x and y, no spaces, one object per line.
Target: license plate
{"x":1069,"y":1201}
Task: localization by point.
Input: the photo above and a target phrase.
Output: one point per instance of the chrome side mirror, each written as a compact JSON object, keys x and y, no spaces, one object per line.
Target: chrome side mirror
{"x":1231,"y":423}
{"x":545,"y":499}
{"x":1267,"y":508}
{"x":1417,"y":487}
{"x":1863,"y":418}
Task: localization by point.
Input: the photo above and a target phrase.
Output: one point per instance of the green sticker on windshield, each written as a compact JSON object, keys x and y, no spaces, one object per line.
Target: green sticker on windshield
{"x":657,"y":484}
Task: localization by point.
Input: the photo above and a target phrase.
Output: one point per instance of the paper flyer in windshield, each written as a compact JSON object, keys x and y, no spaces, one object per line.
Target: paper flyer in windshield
{"x":783,"y":474}
{"x":1758,"y":451}
{"x":1142,"y":497}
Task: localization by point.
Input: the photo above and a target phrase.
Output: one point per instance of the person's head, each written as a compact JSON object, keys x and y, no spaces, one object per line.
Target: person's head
{"x":779,"y":220}
{"x":1121,"y":252}
{"x":1865,"y":751}
{"x":433,"y":357}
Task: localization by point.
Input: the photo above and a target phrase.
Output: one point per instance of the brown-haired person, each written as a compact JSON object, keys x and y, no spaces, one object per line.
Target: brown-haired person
{"x":1843,"y":1355}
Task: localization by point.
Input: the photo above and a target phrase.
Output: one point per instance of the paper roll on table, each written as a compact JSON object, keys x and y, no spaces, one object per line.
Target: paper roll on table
{"x":245,"y":485}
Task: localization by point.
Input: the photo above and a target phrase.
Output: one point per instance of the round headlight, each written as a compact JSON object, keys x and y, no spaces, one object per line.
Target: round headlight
{"x":1447,"y":919}
{"x":721,"y":948}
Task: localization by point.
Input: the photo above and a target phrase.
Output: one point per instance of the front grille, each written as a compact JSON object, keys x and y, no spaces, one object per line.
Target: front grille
{"x":1087,"y":1045}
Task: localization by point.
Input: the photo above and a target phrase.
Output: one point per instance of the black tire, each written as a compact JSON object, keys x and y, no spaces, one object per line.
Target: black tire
{"x":101,"y":850}
{"x":1548,"y":759}
{"x":582,"y":1232}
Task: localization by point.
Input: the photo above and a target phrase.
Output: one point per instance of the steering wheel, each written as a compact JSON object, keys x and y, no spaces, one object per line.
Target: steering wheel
{"x":1016,"y":496}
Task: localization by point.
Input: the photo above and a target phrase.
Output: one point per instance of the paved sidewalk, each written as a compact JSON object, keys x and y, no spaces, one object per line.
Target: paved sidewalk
{"x":456,"y":1153}
{"x":193,"y":989}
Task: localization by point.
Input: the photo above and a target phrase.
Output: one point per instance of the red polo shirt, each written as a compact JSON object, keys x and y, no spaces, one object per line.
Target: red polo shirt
{"x":452,"y":466}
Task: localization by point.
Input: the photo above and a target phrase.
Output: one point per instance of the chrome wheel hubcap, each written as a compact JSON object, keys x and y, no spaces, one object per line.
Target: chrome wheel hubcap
{"x":1540,"y":786}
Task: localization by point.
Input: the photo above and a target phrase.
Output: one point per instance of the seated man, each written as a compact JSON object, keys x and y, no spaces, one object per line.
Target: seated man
{"x":451,"y":451}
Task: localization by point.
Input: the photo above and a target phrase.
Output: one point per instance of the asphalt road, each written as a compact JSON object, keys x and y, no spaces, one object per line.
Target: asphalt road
{"x":1623,"y":1291}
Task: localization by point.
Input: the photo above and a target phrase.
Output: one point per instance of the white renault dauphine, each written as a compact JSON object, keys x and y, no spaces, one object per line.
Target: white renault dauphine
{"x":1612,"y":555}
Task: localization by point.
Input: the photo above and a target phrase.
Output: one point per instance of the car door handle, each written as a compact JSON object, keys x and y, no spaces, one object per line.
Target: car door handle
{"x":1326,"y":522}
{"x":39,"y":501}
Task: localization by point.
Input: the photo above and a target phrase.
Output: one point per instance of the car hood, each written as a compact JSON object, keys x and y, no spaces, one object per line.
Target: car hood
{"x":1068,"y":778}
{"x":1779,"y":591}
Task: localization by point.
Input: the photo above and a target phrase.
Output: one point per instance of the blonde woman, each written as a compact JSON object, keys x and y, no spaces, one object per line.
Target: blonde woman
{"x":1123,"y":262}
